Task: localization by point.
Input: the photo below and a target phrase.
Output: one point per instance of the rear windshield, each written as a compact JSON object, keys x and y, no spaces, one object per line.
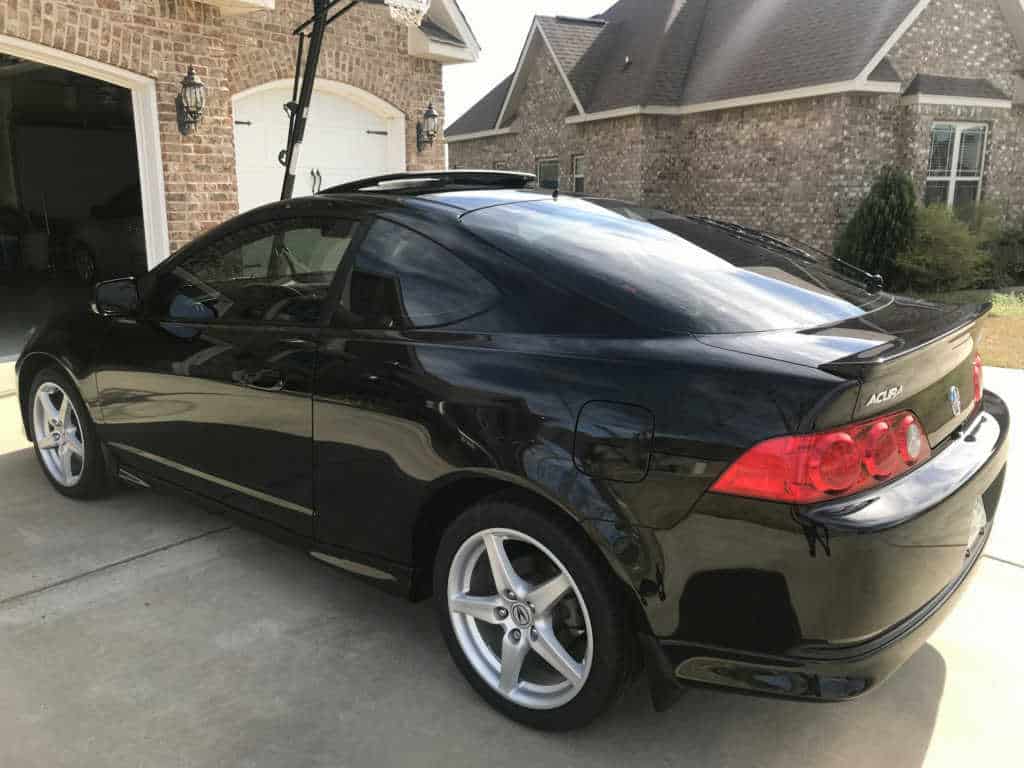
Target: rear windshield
{"x":675,"y":273}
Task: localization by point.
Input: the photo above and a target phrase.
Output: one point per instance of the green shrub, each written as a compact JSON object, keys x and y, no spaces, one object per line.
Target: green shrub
{"x":1007,"y":258}
{"x":946,"y":254}
{"x":881,"y":232}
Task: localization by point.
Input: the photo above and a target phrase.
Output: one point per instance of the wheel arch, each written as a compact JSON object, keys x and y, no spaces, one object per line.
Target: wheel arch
{"x":457,"y":493}
{"x":29,"y":368}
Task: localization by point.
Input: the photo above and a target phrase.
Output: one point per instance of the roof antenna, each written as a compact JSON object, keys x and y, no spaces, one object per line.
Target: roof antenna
{"x":554,"y":195}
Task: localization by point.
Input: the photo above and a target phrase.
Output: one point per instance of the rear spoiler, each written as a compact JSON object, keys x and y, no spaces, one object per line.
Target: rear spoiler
{"x":872,"y":363}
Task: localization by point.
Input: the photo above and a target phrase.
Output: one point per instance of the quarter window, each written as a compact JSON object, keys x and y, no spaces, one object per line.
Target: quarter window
{"x":402,"y":280}
{"x":579,"y":175}
{"x":548,"y":172}
{"x":277,"y":272}
{"x":956,"y":164}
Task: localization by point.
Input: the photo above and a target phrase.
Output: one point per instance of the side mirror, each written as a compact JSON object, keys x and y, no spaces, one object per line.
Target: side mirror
{"x":117,"y":298}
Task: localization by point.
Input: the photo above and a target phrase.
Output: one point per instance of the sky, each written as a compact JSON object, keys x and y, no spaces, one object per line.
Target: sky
{"x":501,"y":27}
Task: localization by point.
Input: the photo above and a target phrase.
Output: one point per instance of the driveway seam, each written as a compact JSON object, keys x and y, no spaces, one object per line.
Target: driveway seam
{"x":1004,"y":561}
{"x":39,"y":590}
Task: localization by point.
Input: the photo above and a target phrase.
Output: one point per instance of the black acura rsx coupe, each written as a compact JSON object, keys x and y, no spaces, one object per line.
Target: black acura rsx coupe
{"x":602,"y":438}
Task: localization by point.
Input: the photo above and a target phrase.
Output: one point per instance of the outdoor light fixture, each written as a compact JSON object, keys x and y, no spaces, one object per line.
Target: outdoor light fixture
{"x":426,"y":131}
{"x":191,"y":102}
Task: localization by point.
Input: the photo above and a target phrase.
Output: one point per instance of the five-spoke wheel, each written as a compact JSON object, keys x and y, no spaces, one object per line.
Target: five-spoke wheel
{"x":65,"y":437}
{"x":531,"y":614}
{"x":58,"y":434}
{"x":520,"y":618}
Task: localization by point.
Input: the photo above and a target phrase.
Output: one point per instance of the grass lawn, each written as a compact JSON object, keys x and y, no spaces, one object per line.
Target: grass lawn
{"x":1003,"y":343}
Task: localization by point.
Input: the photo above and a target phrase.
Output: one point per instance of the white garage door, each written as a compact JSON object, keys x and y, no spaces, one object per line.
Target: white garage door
{"x":349,"y":136}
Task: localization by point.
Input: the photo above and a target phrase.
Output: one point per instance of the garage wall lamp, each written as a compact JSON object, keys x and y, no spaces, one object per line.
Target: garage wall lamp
{"x":426,"y":130}
{"x":191,"y":102}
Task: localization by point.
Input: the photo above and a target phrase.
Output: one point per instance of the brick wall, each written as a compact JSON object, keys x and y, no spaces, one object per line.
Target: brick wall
{"x":161,"y":38}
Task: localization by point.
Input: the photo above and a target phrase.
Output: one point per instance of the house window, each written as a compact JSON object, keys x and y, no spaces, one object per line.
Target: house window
{"x":548,"y":172}
{"x":956,"y":164}
{"x":579,"y":174}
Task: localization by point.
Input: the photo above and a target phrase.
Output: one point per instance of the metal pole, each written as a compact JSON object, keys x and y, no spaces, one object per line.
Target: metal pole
{"x":301,"y":116}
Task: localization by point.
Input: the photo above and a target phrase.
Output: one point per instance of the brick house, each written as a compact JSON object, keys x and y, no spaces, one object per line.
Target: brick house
{"x":771,"y":113}
{"x":80,"y":80}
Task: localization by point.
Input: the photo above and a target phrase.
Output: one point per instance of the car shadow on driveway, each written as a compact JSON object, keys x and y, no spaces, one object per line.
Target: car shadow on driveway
{"x":206,"y":644}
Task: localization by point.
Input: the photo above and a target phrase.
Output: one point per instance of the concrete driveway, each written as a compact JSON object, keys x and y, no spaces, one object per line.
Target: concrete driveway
{"x":140,"y":631}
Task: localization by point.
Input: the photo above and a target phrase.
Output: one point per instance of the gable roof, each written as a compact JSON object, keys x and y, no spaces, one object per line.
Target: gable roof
{"x":483,"y":115}
{"x":678,"y":56}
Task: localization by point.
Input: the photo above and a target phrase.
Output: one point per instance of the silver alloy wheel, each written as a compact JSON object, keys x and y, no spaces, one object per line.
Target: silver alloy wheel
{"x":515,"y":630}
{"x":58,"y":434}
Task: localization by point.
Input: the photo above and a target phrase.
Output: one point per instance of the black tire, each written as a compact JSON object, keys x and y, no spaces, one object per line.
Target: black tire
{"x":95,"y":480}
{"x":602,"y":594}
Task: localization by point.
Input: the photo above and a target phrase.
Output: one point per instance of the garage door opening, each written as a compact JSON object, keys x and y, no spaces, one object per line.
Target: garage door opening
{"x":70,"y":199}
{"x":351,"y":135}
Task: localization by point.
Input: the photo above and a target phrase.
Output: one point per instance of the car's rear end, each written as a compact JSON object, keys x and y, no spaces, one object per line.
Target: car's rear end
{"x":826,"y":472}
{"x":894,"y":507}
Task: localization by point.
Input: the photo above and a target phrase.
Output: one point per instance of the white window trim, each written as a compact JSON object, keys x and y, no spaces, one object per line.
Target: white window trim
{"x":576,"y":175}
{"x":549,"y":159}
{"x":955,"y":176}
{"x":147,"y":131}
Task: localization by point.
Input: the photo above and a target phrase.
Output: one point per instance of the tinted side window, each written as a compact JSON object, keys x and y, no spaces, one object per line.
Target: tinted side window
{"x":403,"y":280}
{"x":278,"y":272}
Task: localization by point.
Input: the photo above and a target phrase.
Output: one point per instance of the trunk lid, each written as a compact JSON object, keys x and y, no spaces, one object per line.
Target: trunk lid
{"x":910,"y":355}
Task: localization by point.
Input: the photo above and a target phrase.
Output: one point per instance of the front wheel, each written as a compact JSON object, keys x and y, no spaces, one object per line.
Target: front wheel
{"x":64,"y":436}
{"x":531,"y":616}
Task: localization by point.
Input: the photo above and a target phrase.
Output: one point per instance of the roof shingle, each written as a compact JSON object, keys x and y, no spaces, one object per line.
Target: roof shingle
{"x":483,"y":115}
{"x":967,"y":88}
{"x":687,"y":52}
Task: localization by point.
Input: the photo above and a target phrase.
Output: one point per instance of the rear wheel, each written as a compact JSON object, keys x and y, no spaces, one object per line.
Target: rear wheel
{"x":65,"y":438}
{"x":531,"y":617}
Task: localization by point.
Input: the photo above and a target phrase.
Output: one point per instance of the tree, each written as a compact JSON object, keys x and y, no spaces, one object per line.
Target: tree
{"x":882,"y":230}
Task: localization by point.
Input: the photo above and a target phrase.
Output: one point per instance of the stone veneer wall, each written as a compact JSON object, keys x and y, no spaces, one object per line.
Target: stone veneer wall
{"x":796,"y":167}
{"x":161,"y":38}
{"x":967,"y":38}
{"x":613,"y":167}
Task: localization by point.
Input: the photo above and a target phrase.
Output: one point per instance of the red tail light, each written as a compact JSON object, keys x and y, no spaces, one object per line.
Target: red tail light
{"x":979,"y":378}
{"x":805,"y":469}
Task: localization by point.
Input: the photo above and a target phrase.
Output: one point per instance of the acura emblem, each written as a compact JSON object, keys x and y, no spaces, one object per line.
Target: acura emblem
{"x":522,"y":615}
{"x":954,"y":400}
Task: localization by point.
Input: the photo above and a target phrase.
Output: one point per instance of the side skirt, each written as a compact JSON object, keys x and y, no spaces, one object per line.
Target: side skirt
{"x":390,"y":577}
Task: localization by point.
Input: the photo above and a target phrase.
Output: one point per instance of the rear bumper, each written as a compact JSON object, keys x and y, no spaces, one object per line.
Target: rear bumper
{"x":875,"y":557}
